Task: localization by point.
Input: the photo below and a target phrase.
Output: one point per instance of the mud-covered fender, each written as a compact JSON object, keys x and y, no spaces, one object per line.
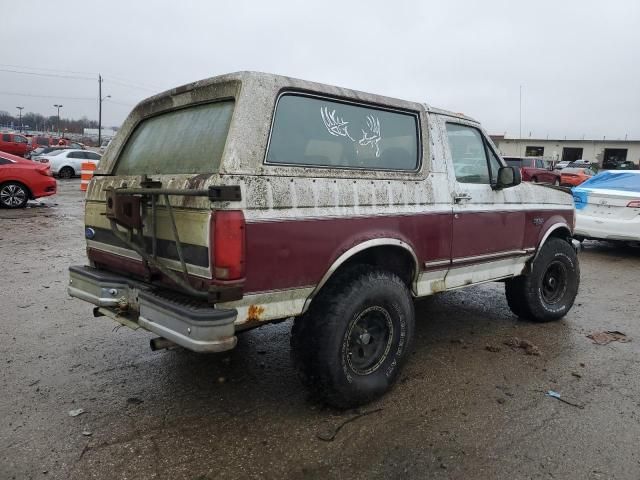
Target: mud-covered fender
{"x":360,"y":247}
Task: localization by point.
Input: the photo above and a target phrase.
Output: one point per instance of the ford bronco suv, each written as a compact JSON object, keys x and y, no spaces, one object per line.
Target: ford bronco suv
{"x":250,"y":198}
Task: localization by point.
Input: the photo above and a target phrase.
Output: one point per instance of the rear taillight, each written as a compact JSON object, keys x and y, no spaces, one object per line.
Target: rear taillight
{"x":227,"y":244}
{"x":43,"y":160}
{"x":634,"y":204}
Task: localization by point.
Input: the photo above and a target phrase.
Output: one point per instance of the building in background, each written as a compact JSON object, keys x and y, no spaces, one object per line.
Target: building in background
{"x":597,"y":151}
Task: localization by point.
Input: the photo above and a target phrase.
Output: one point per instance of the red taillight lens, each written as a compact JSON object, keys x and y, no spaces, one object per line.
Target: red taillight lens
{"x":634,"y":204}
{"x":43,"y":160}
{"x":228,"y":244}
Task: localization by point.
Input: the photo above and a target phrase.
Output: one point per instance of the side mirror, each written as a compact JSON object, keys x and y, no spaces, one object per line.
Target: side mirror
{"x":508,"y":177}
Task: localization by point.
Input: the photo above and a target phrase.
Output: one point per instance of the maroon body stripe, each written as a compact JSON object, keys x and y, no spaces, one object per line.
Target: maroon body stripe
{"x":284,"y":254}
{"x":296,"y":253}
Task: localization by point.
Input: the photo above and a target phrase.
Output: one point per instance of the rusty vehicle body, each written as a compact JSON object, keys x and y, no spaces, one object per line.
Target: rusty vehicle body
{"x":204,"y":249}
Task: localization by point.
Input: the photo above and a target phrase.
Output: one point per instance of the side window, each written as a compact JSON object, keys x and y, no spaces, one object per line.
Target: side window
{"x":539,"y":163}
{"x":75,"y":155}
{"x":468,"y":154}
{"x":4,"y":161}
{"x":19,"y":139}
{"x":6,"y":137}
{"x":327,"y":133}
{"x":92,"y":156}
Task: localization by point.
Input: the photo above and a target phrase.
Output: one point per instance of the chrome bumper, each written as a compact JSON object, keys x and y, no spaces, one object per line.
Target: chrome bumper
{"x":192,"y":325}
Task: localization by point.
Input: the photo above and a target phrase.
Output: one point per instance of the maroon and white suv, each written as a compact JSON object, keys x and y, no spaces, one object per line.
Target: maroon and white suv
{"x":250,"y":198}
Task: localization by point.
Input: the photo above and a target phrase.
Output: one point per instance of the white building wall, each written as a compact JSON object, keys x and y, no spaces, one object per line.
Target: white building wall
{"x":591,"y":149}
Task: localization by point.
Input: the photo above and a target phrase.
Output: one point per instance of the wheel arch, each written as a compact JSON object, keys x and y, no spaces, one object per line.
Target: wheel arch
{"x":390,"y":253}
{"x":559,"y":229}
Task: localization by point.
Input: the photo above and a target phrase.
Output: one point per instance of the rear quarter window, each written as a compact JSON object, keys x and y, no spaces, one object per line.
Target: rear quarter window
{"x":190,"y":140}
{"x":315,"y":131}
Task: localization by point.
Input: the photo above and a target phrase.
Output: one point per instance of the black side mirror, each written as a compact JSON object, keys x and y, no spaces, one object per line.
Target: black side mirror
{"x":508,"y":177}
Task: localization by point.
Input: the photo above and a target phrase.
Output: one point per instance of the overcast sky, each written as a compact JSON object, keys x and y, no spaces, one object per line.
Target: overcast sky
{"x":578,"y":61}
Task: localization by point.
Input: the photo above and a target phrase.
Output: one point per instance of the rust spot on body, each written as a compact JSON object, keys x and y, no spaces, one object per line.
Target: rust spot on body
{"x":254,"y":313}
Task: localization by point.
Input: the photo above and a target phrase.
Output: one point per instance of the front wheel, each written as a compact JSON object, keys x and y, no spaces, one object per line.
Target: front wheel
{"x":547,"y":293}
{"x":13,"y":195}
{"x":350,"y":345}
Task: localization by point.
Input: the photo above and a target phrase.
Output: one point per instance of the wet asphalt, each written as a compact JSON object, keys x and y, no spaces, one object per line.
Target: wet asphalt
{"x":467,"y":405}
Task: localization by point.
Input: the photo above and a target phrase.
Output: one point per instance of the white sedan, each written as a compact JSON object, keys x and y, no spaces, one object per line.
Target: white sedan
{"x":608,"y":207}
{"x":68,"y":163}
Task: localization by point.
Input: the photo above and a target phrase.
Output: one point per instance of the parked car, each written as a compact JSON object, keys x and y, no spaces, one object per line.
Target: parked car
{"x":22,"y":180}
{"x":42,"y":151}
{"x":573,"y":176}
{"x":534,"y":169}
{"x":40,"y":141}
{"x":608,"y":207}
{"x":619,"y":165}
{"x":315,"y":202}
{"x":14,"y":144}
{"x":67,"y":163}
{"x":561,"y":165}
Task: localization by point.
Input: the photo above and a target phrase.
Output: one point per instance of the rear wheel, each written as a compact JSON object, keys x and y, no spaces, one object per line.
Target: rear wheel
{"x":66,"y":172}
{"x":354,"y":338}
{"x":13,"y":195}
{"x":548,"y":292}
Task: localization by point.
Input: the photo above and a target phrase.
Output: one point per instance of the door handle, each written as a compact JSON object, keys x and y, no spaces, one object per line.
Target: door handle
{"x":461,"y":196}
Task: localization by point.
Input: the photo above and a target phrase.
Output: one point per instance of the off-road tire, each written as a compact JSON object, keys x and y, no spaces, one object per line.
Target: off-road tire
{"x":11,"y":192}
{"x":547,"y":293}
{"x":323,"y":340}
{"x":66,"y":172}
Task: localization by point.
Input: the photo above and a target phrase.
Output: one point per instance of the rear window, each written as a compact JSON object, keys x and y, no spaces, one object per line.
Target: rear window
{"x":190,"y":140}
{"x":321,"y":132}
{"x":42,"y":141}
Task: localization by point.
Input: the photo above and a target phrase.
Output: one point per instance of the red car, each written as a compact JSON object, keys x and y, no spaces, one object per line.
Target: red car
{"x":533,"y":169}
{"x":572,"y":177}
{"x":15,"y":144}
{"x":22,"y":180}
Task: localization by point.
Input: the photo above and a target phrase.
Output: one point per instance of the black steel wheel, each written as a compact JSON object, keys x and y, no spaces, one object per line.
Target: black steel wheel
{"x":546,"y":293}
{"x":351,"y":344}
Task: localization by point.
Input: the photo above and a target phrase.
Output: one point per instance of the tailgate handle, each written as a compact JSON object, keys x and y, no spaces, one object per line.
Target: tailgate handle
{"x":225,"y":193}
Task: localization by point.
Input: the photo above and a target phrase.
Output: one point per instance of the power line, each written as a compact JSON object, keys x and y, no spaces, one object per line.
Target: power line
{"x":16,"y":94}
{"x":71,"y":75}
{"x":45,"y":69}
{"x":60,"y":97}
{"x":22,"y":72}
{"x":130,"y":85}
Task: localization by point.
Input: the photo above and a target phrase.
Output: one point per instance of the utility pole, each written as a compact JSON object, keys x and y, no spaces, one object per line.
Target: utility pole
{"x":100,"y":100}
{"x":20,"y":114}
{"x":58,"y":107}
{"x":520,"y":136}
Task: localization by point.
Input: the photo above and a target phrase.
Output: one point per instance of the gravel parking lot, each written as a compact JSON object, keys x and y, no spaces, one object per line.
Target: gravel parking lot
{"x":470,"y":402}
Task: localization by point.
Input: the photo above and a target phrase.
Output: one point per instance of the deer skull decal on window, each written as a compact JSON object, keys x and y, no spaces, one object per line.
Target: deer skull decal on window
{"x":338,"y":127}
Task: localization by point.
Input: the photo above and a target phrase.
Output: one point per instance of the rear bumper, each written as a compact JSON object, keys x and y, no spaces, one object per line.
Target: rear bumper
{"x":193,"y":325}
{"x":606,"y":228}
